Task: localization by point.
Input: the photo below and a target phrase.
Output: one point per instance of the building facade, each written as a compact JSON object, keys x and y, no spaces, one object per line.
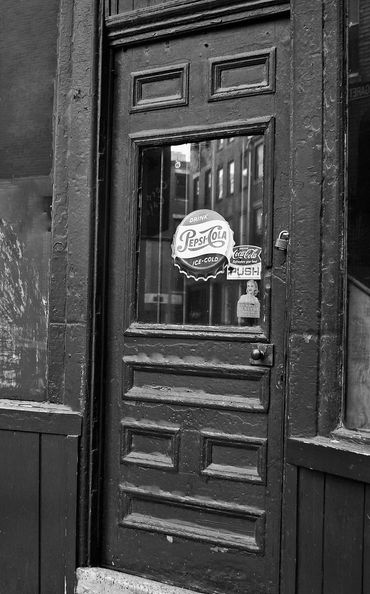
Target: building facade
{"x":185,"y":296}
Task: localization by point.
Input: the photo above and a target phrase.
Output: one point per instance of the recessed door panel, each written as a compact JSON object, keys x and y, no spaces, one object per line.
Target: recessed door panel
{"x":196,"y":301}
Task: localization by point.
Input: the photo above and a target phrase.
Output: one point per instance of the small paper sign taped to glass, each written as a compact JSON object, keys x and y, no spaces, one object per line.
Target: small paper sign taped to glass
{"x":245,"y":263}
{"x":248,"y":303}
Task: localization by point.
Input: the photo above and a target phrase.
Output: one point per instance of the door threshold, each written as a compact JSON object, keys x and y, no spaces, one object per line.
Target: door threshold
{"x":97,"y":580}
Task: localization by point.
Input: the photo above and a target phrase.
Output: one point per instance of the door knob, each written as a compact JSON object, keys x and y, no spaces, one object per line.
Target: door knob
{"x":261,"y":354}
{"x":257,"y":354}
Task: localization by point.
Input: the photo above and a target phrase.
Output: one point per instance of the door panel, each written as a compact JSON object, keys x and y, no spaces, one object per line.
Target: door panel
{"x":193,"y":421}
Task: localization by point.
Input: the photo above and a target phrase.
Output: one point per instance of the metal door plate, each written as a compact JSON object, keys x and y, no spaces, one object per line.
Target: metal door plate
{"x":262,"y":354}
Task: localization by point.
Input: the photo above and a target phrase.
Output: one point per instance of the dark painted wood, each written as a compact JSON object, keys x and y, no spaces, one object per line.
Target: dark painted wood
{"x":53,"y":492}
{"x":19,"y":517}
{"x":342,"y":458}
{"x":156,"y":22}
{"x":38,"y":512}
{"x":366,"y":546}
{"x":343,"y":536}
{"x":40,"y":418}
{"x":91,"y":450}
{"x":56,"y":355}
{"x":304,"y":249}
{"x":168,"y":331}
{"x":58,"y":504}
{"x":289,"y":531}
{"x":71,"y":491}
{"x":73,"y":209}
{"x":333,"y":211}
{"x":310,"y":532}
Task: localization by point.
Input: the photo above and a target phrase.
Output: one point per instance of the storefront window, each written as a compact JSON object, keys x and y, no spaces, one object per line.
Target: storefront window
{"x":358,"y":327}
{"x":27,"y":73}
{"x":167,"y":294}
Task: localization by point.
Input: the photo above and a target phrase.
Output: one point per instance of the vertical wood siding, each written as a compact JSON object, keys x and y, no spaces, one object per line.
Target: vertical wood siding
{"x":38,"y":512}
{"x":333,"y":534}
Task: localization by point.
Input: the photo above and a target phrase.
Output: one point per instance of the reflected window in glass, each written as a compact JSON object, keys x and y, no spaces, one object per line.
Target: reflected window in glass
{"x":220,"y":183}
{"x":207,"y":188}
{"x":259,"y":162}
{"x":196,"y":193}
{"x":230,"y":178}
{"x":26,"y":146}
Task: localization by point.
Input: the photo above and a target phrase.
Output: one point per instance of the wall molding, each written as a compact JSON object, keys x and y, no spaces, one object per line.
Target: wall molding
{"x":139,"y":509}
{"x":163,"y":21}
{"x":38,"y":417}
{"x":332,"y":456}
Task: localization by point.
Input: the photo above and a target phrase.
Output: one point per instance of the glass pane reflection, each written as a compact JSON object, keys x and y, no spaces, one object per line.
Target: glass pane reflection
{"x":176,"y":180}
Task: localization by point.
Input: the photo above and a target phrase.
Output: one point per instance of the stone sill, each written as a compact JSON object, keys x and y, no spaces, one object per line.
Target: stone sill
{"x":96,"y":580}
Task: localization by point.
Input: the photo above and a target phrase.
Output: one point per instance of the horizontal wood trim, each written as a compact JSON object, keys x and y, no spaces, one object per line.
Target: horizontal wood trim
{"x":197,"y":332}
{"x":39,"y":418}
{"x":348,"y":460}
{"x":159,"y":22}
{"x":120,"y":7}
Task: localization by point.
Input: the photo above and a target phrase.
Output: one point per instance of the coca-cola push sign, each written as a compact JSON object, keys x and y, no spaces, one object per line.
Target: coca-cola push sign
{"x":245,"y":263}
{"x":202,"y":244}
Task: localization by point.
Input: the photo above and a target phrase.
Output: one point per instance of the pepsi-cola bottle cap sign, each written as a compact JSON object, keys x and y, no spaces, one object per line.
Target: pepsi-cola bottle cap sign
{"x":202,"y":244}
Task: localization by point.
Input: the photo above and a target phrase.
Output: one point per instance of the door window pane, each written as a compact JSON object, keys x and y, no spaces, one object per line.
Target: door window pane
{"x":358,"y":328}
{"x":165,"y":295}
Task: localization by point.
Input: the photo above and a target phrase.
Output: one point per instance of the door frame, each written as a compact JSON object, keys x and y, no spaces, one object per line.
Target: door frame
{"x":263,"y":124}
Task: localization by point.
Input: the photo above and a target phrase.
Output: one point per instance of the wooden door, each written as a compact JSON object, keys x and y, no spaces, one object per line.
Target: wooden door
{"x":194,"y":396}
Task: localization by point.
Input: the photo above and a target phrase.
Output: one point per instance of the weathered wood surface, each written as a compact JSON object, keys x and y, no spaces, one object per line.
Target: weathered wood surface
{"x":333,"y":456}
{"x":33,"y":417}
{"x":38,"y":512}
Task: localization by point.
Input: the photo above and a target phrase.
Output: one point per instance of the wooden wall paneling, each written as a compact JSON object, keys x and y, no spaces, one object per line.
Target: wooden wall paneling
{"x":343,"y":536}
{"x":366,"y":546}
{"x":52,"y":511}
{"x":70,"y":471}
{"x":310,"y":531}
{"x":19,"y":517}
{"x":344,"y":459}
{"x":58,"y":493}
{"x":289,"y":530}
{"x":58,"y":259}
{"x":72,"y":264}
{"x":42,"y":417}
{"x":117,"y":7}
{"x":157,"y":22}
